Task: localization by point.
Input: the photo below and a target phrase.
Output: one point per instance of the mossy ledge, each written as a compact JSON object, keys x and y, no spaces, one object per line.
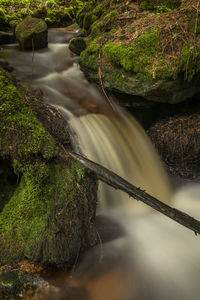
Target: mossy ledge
{"x":149,"y":48}
{"x":49,"y":213}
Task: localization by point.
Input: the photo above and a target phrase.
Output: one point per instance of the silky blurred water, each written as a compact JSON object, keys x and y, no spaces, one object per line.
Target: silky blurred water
{"x":154,"y":258}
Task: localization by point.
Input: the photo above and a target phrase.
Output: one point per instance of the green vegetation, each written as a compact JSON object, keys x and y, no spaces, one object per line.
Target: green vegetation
{"x":89,"y":57}
{"x":46,"y":201}
{"x":136,"y":57}
{"x":46,"y":216}
{"x":158,"y":5}
{"x":190,"y":61}
{"x":20,"y":132}
{"x":96,"y":28}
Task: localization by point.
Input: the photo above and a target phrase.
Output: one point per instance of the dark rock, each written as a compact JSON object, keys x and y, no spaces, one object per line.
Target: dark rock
{"x":77,"y":45}
{"x":32,"y":33}
{"x":6,"y":38}
{"x":14,"y":282}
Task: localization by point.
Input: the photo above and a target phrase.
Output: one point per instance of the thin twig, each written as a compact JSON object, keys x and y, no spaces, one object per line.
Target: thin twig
{"x":195,"y":28}
{"x":33,"y":54}
{"x":102,"y":87}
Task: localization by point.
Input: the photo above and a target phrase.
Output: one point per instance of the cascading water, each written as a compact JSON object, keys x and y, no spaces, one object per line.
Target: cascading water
{"x":119,"y":143}
{"x":155,"y":258}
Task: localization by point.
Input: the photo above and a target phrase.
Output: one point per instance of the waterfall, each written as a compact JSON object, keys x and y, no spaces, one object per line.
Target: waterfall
{"x":155,"y":258}
{"x":120,"y":144}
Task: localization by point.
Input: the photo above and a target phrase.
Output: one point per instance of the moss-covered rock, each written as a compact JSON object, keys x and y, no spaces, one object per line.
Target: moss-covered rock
{"x":47,"y":214}
{"x":12,"y":283}
{"x":89,"y":57}
{"x":147,"y":54}
{"x":60,"y":16}
{"x":136,"y":57}
{"x":32,"y":33}
{"x":77,"y":45}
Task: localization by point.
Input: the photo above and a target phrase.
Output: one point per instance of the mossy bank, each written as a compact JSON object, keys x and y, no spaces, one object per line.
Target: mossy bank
{"x":143,"y":48}
{"x":48,"y":202}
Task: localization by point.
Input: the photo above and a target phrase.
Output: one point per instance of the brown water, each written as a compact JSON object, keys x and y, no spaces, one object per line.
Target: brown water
{"x":154,"y":258}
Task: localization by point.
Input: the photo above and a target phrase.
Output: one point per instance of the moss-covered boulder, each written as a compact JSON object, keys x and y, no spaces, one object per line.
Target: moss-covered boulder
{"x":152,"y":54}
{"x":77,"y":45}
{"x":47,"y":214}
{"x":32,"y":33}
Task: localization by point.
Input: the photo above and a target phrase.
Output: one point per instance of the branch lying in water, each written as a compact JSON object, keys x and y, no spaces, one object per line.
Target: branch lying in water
{"x":118,"y":182}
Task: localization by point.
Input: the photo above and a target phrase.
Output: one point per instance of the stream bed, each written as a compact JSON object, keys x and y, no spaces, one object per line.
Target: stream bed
{"x":141,"y":255}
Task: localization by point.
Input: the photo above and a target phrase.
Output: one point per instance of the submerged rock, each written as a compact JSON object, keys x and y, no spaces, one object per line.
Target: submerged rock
{"x":13,"y":283}
{"x":32,"y":33}
{"x":77,"y":45}
{"x":47,"y":215}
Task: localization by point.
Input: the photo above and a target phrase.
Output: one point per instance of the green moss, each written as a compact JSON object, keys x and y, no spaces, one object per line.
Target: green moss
{"x":77,"y":45}
{"x":159,"y":5}
{"x":116,"y":79}
{"x":89,"y":57}
{"x":3,"y":17}
{"x":47,"y":216}
{"x":7,"y":183}
{"x":130,"y":29}
{"x":21,"y":133}
{"x":88,"y":20}
{"x":58,"y":16}
{"x":27,"y":220}
{"x":28,"y":28}
{"x":136,"y":57}
{"x":165,"y":72}
{"x":96,"y":28}
{"x":190,"y":61}
{"x":192,"y":24}
{"x":111,"y":15}
{"x":99,"y":10}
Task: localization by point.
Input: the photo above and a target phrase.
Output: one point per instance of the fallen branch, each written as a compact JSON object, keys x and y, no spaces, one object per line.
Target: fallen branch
{"x":118,"y":182}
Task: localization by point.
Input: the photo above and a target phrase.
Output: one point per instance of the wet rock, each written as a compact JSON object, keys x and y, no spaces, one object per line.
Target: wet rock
{"x":6,"y":38}
{"x":77,"y":45}
{"x":177,"y":139}
{"x":32,"y":33}
{"x":13,"y":283}
{"x":118,"y":80}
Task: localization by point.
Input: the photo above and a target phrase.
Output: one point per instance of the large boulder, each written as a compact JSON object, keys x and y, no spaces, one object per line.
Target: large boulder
{"x":47,"y":200}
{"x":150,"y":55}
{"x":32,"y":33}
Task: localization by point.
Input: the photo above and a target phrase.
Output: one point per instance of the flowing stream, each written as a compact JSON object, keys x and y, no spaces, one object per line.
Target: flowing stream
{"x":154,"y":258}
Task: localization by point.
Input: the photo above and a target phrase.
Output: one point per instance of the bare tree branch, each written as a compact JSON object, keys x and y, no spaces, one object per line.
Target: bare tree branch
{"x":118,"y":182}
